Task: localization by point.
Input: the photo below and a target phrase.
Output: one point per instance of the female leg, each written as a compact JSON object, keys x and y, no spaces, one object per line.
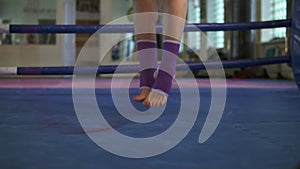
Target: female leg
{"x":146,"y":44}
{"x":173,"y":22}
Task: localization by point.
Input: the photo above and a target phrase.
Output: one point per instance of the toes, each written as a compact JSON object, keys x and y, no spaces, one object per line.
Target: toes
{"x":147,"y":103}
{"x":155,"y":99}
{"x":138,"y":98}
{"x":142,"y":96}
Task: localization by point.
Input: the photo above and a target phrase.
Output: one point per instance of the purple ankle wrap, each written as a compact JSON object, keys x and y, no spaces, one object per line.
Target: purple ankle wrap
{"x":163,"y":82}
{"x":167,"y":67}
{"x":147,"y":78}
{"x":148,"y":62}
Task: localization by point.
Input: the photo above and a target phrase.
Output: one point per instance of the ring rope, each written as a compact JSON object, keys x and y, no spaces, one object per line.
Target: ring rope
{"x":110,"y":69}
{"x":129,"y":28}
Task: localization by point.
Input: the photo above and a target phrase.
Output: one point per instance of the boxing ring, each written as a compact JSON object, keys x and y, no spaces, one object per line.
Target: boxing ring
{"x":259,"y":128}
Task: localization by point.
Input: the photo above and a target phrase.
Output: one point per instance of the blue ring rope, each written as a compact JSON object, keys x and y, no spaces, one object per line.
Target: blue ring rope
{"x":78,"y":29}
{"x":110,"y":69}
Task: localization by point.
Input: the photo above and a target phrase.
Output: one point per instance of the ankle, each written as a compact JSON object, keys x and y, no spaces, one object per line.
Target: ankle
{"x":163,"y":83}
{"x":147,"y":78}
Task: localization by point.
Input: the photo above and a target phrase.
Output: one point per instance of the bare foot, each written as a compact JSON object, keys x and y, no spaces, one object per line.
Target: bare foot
{"x":143,"y":95}
{"x":156,"y":98}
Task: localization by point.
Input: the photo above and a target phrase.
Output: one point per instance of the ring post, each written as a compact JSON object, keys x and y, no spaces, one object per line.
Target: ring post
{"x":295,"y":41}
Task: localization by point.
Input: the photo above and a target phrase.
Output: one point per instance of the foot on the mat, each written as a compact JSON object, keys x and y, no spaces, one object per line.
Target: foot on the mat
{"x":144,"y":92}
{"x":147,"y":78}
{"x":156,"y":98}
{"x":160,"y":90}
